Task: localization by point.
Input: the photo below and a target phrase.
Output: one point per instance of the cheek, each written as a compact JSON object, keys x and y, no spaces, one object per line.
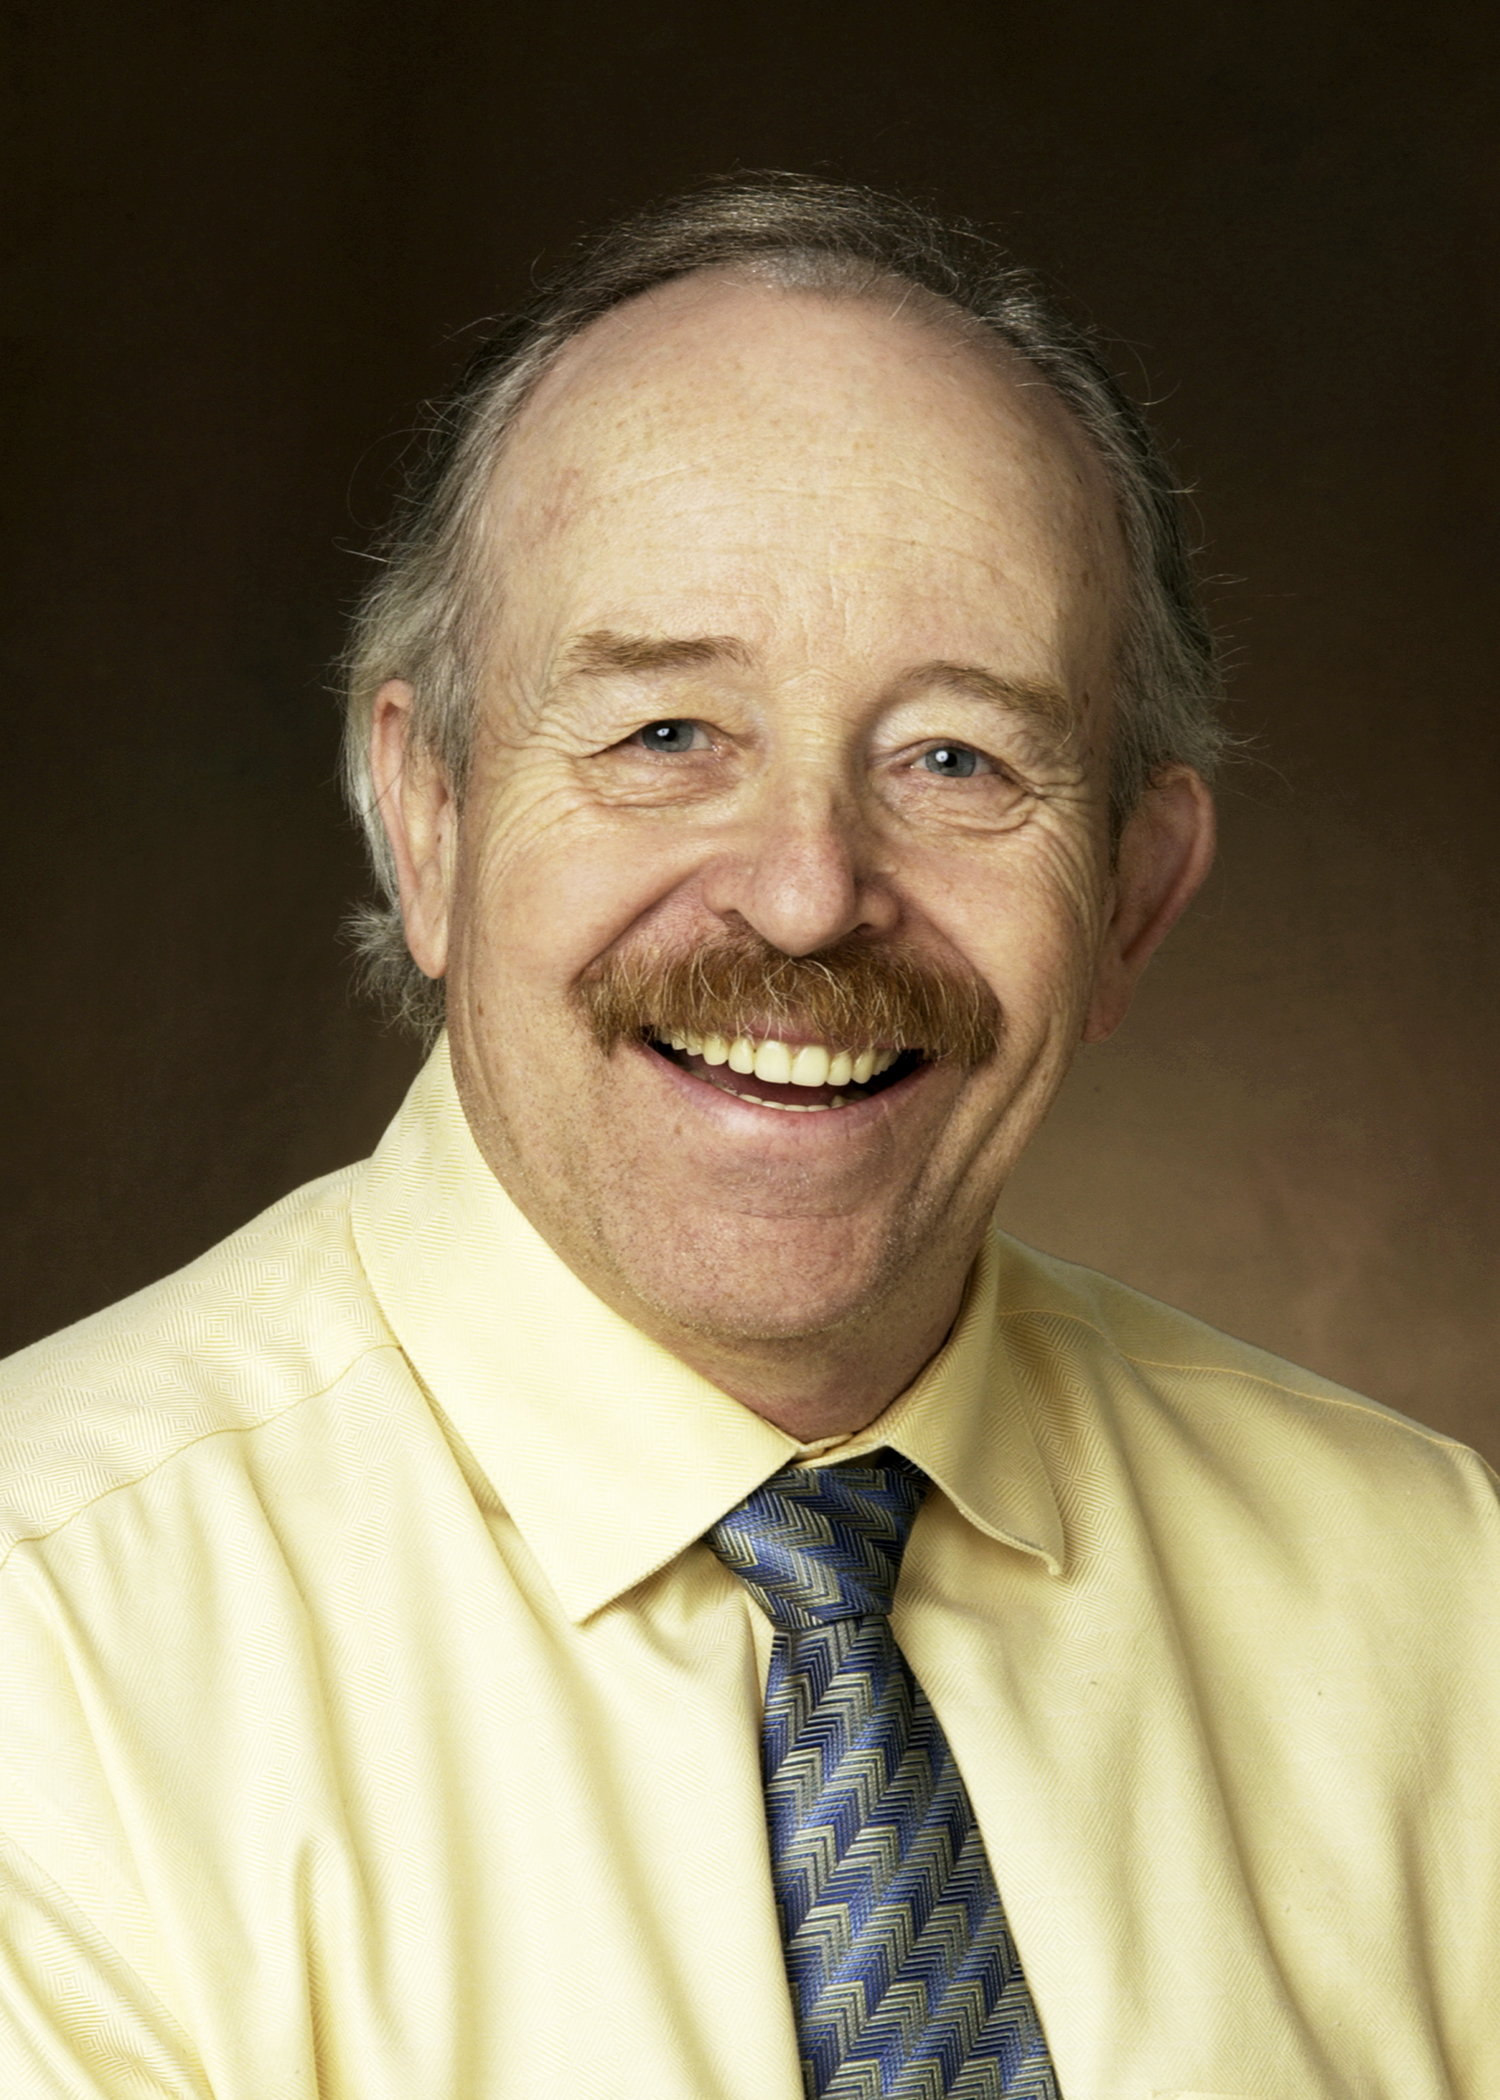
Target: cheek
{"x":1044,"y":879}
{"x":1034,"y":936}
{"x":546,"y":886}
{"x":1046,"y":976}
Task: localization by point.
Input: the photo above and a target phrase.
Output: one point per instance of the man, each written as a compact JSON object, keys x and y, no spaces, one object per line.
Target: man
{"x":448,"y":1632}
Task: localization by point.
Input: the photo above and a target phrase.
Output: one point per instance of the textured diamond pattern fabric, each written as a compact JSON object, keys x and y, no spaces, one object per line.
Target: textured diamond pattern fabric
{"x":903,"y":1972}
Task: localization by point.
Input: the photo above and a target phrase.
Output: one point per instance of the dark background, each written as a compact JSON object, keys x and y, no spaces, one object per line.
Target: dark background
{"x":241,"y":242}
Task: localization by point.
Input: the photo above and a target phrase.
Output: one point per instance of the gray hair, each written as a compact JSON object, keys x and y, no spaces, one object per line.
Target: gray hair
{"x":426,"y":617}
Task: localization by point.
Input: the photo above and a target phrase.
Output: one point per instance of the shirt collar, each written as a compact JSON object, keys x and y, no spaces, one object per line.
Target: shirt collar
{"x":609,"y":1453}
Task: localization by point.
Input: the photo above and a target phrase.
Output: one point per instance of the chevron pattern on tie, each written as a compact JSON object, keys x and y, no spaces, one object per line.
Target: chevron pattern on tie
{"x":906,"y":1982}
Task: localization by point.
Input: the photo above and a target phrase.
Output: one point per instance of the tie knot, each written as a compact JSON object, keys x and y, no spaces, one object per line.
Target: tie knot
{"x":819,"y":1543}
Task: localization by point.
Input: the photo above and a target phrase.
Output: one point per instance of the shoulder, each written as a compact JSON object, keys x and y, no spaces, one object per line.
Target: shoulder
{"x":275,"y":1314}
{"x":1198,"y":1413}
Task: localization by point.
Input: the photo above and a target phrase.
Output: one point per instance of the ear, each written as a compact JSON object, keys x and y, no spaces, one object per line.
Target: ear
{"x":416,"y":806}
{"x":1166,"y":849}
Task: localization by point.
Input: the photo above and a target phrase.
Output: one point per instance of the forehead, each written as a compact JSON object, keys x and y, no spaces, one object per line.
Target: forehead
{"x":709,"y":440}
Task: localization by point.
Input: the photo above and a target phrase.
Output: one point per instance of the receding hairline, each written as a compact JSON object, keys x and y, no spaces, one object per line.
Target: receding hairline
{"x":793,"y":276}
{"x":1076,"y":466}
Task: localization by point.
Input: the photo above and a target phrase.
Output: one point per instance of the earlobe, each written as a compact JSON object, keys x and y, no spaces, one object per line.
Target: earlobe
{"x":417,"y":808}
{"x":1166,"y":850}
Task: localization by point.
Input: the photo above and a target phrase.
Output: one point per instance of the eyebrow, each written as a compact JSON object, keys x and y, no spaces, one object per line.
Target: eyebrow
{"x":1028,"y":696}
{"x":604,"y":653}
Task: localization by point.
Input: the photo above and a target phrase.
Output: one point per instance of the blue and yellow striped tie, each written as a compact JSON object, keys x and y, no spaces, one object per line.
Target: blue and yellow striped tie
{"x":903,"y":1971}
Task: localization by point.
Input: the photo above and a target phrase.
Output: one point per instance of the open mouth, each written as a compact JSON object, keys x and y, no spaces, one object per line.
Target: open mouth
{"x":800,"y":1078}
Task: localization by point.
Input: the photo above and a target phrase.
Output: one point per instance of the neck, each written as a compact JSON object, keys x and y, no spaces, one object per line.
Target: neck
{"x":810,"y":1393}
{"x":807,"y":1385}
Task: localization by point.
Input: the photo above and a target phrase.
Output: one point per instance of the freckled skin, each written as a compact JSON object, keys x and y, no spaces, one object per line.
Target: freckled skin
{"x":847,"y":493}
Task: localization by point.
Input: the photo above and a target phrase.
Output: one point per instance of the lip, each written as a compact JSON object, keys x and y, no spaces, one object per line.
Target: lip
{"x":740,"y":1116}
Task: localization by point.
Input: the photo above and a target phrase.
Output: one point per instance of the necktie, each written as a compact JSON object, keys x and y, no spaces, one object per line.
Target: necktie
{"x":903,"y":1972}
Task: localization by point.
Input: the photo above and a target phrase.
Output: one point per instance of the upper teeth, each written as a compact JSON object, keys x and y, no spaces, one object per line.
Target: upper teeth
{"x":788,"y":1064}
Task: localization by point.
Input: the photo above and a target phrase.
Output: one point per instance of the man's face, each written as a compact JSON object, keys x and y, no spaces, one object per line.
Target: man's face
{"x":805,"y":614}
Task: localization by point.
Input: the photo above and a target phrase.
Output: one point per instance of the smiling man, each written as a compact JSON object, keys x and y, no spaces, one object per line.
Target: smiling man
{"x":637,"y":1589}
{"x":788,"y":794}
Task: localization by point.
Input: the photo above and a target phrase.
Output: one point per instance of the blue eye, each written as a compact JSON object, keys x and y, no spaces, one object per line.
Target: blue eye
{"x":669,"y":736}
{"x":952,"y":761}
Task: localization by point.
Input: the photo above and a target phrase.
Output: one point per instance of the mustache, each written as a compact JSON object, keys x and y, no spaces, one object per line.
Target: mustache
{"x":856,"y":994}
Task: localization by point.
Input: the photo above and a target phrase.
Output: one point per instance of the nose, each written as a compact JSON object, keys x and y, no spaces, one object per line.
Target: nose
{"x":804,"y":870}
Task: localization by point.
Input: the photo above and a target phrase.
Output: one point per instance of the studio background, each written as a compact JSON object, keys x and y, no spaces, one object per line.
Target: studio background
{"x":242,"y":242}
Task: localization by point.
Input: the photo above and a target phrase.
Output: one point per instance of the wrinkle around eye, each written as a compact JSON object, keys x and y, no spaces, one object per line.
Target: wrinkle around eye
{"x":993,"y":797}
{"x":628,"y":772}
{"x":986,"y":768}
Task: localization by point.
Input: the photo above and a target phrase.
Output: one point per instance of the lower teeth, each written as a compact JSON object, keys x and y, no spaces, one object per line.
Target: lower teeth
{"x":790,"y":1108}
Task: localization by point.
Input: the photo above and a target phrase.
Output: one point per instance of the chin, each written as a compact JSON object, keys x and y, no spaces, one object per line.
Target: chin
{"x":742,"y":1323}
{"x":732,"y":1298}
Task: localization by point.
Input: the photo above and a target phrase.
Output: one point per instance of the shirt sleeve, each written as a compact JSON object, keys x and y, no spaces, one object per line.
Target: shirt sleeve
{"x":75,"y":2022}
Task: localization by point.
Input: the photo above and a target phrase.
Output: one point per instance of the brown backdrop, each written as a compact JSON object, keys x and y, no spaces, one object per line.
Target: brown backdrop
{"x":242,"y":240}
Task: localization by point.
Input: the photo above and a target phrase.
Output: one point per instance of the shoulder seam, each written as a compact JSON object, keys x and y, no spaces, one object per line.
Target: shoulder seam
{"x":1354,"y":1402}
{"x":36,"y":1538}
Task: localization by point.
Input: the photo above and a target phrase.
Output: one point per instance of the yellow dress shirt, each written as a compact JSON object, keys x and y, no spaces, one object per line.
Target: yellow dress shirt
{"x":374,"y":1727}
